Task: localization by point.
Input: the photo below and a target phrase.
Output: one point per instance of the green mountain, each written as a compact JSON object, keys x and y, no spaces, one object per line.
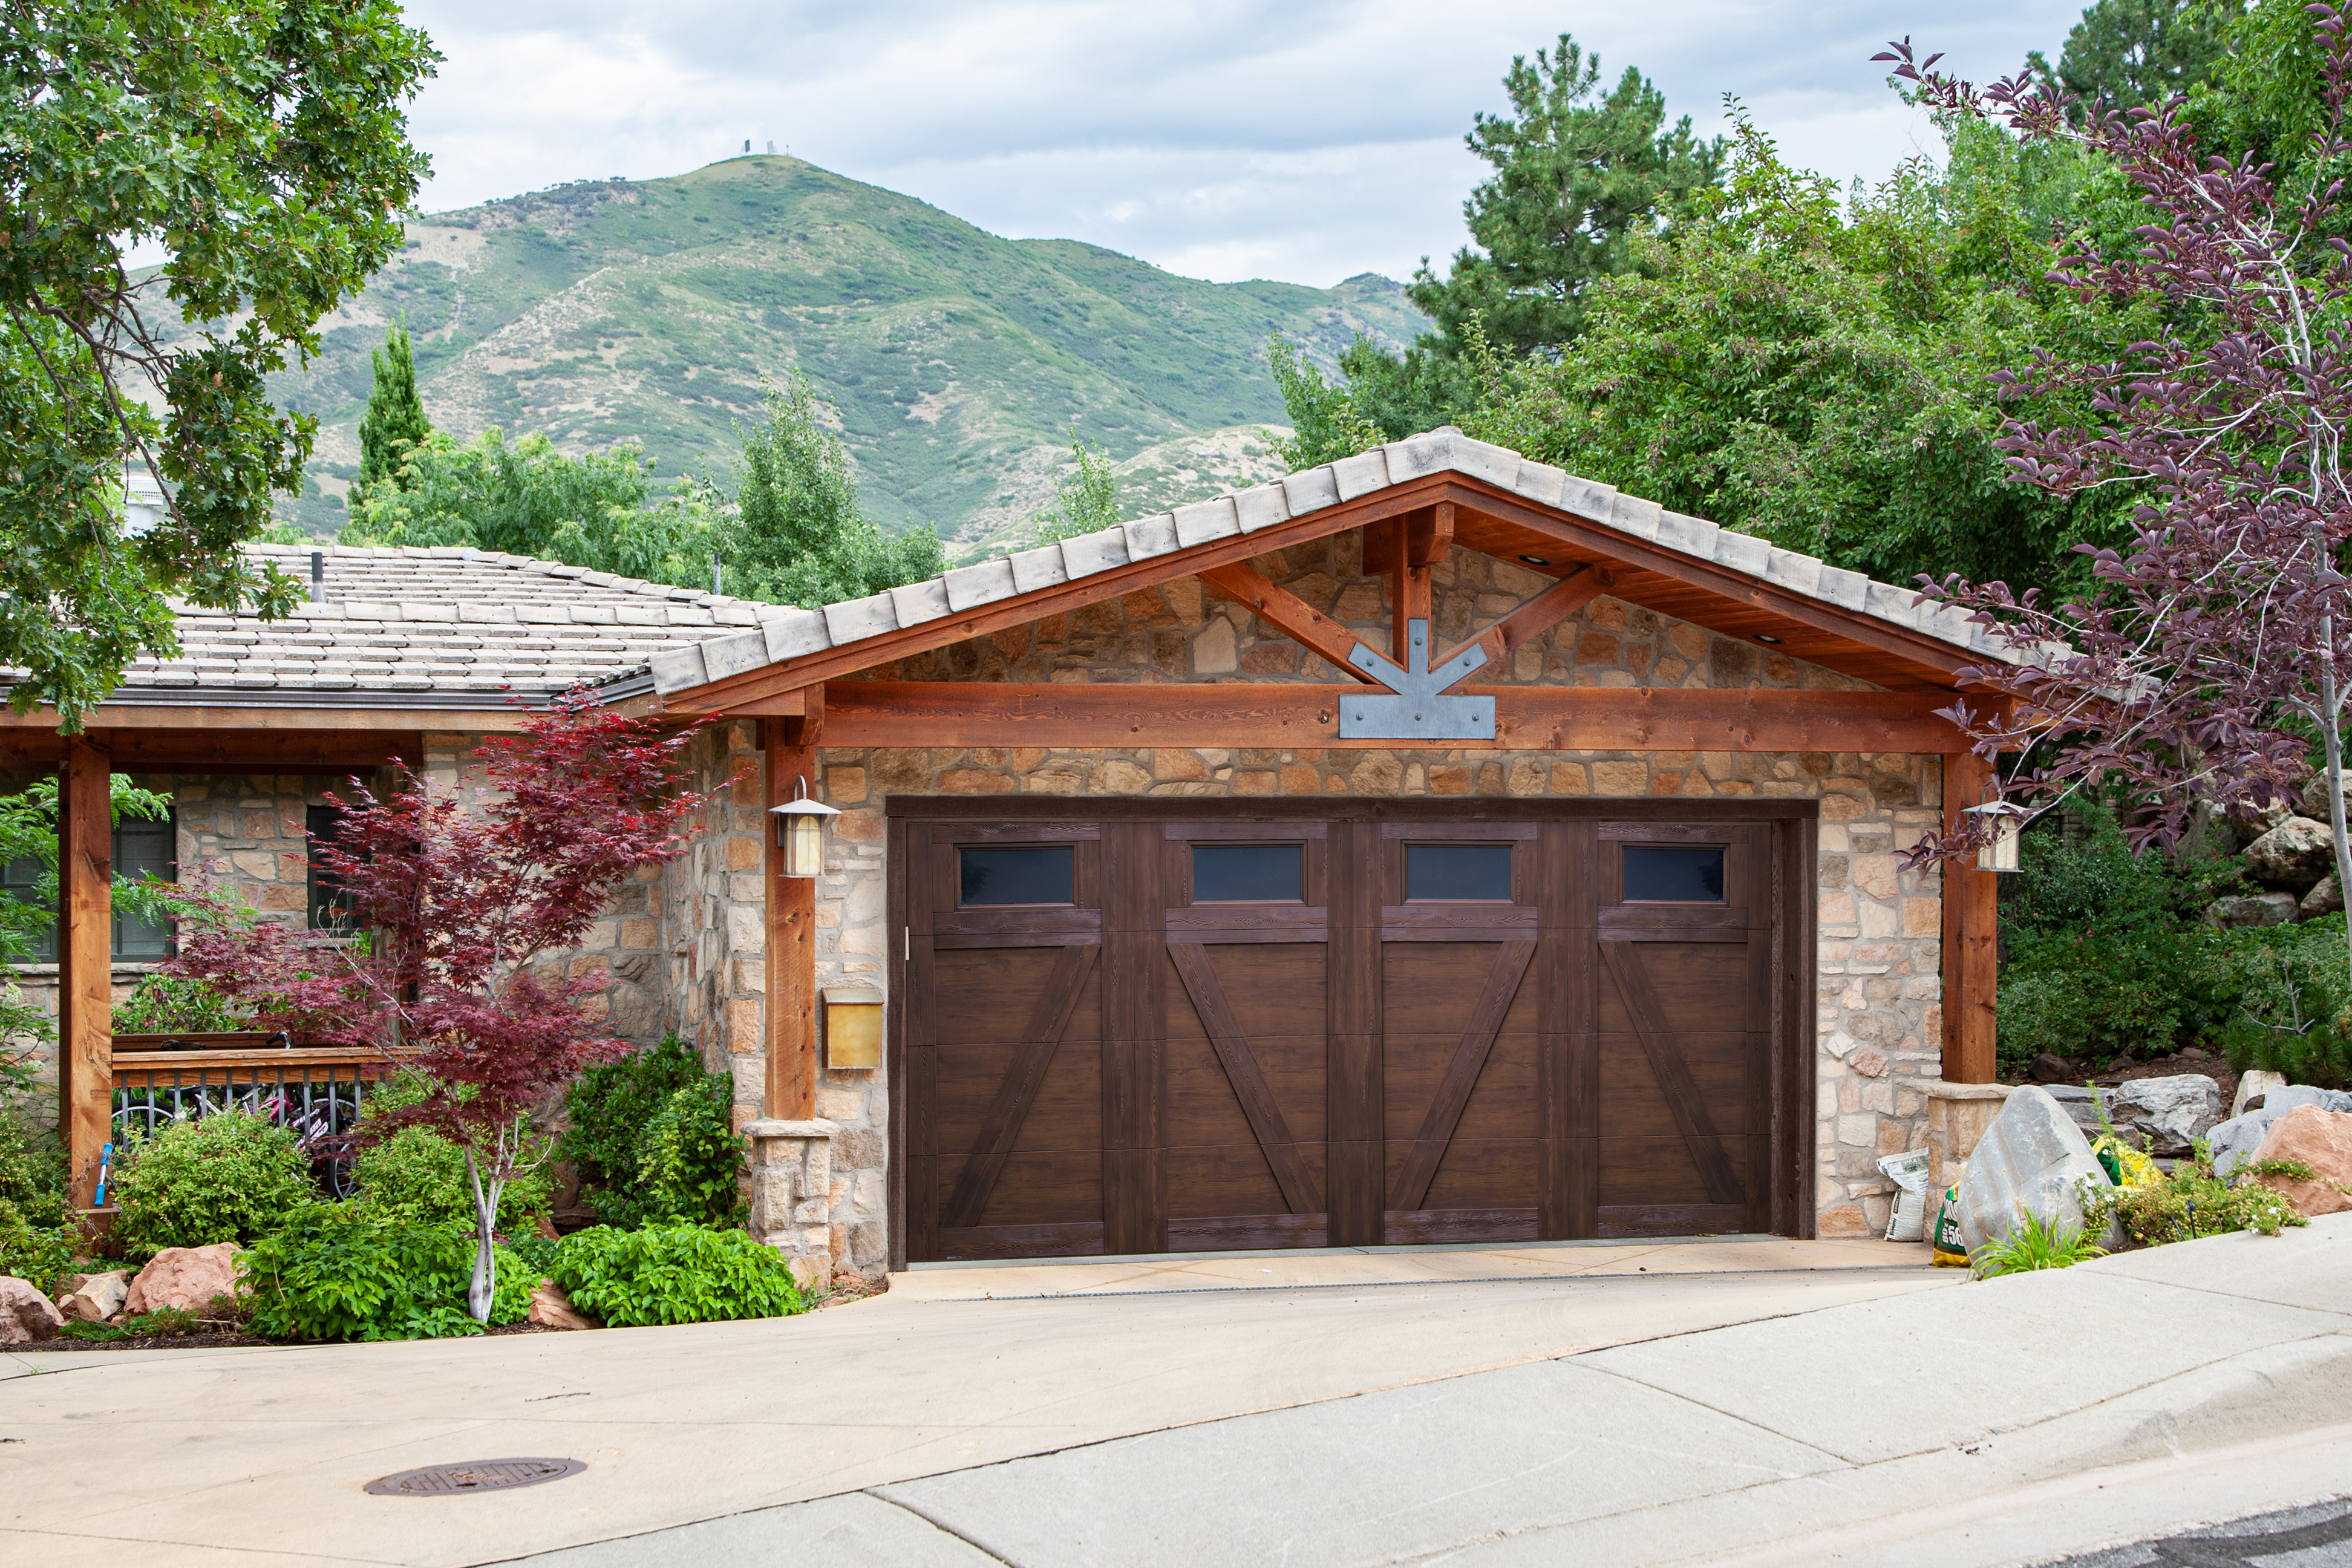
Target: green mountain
{"x":605,"y":312}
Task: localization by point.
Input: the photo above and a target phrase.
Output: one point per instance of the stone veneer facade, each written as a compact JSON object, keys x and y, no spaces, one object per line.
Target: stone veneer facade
{"x":684,"y":947}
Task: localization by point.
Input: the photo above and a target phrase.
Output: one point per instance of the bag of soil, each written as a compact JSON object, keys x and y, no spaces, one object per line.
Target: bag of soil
{"x":1951,"y":1252}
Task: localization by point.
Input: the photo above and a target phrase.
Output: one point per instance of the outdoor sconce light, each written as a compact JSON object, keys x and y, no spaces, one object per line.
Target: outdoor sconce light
{"x":2007,"y":822}
{"x":799,"y":832}
{"x":853,"y":1028}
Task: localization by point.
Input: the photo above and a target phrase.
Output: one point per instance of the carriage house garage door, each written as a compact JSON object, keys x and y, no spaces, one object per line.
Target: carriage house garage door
{"x":1168,"y":1026}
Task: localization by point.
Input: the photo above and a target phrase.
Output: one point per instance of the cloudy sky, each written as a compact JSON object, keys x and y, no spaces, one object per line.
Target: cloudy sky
{"x":1306,"y":140}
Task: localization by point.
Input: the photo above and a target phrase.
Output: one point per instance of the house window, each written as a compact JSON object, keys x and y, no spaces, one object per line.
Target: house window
{"x":140,"y":848}
{"x":331,"y":904}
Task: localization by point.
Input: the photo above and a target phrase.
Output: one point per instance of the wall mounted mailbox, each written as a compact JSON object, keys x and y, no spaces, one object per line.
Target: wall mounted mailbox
{"x":853,"y":1028}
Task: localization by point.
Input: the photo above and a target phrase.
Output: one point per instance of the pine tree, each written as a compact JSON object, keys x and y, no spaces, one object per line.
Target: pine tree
{"x":2130,"y":53}
{"x":394,"y":420}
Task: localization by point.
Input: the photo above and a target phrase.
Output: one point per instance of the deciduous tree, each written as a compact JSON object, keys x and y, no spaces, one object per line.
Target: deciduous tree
{"x":468,"y":909}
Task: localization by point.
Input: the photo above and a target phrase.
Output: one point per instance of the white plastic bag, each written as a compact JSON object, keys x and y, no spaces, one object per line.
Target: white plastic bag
{"x":1907,"y":1220}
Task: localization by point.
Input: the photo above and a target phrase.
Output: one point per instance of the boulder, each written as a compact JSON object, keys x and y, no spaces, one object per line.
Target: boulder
{"x":2286,"y":1096}
{"x":2321,"y":1139}
{"x":2048,"y":1069}
{"x":2294,"y":856}
{"x":2167,"y":1115}
{"x":187,"y":1278}
{"x":100,"y":1296}
{"x":2233,"y":1142}
{"x":551,"y":1308}
{"x":2311,"y":801}
{"x":25,"y":1315}
{"x":2252,"y":1083}
{"x":2261,"y":909}
{"x":2076,"y":1101}
{"x":2326,"y":898}
{"x":2033,"y":1160}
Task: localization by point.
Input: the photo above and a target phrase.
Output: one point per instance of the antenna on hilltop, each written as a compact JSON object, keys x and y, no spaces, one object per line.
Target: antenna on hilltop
{"x":772,"y":148}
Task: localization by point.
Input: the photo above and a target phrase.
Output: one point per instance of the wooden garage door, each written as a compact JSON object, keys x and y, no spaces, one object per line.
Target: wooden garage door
{"x":1161,"y":1034}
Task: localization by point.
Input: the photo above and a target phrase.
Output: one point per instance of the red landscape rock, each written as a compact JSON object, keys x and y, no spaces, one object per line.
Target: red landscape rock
{"x":187,"y":1278}
{"x":25,"y":1314}
{"x":551,"y":1308}
{"x":2321,"y":1139}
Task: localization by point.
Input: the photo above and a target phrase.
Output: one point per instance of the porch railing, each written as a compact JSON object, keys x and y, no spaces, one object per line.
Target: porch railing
{"x":314,"y":1090}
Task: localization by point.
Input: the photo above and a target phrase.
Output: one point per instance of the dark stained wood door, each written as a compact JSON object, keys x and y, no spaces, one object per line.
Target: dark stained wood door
{"x":1157,"y":1033}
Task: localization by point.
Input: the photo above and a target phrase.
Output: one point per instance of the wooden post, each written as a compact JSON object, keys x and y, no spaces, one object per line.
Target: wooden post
{"x":1971,"y":936}
{"x":792,"y":926}
{"x":85,"y":961}
{"x":1408,"y":593}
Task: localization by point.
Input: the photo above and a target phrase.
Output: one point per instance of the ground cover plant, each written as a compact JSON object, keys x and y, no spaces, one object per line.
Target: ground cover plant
{"x":342,"y":1271}
{"x":2189,"y":1201}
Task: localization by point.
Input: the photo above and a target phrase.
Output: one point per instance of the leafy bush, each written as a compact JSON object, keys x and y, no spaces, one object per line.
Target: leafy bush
{"x":178,"y":1004}
{"x":417,"y":1176}
{"x":2293,"y":994}
{"x":32,"y":1250}
{"x":653,"y":1137}
{"x":32,"y":1173}
{"x":2106,"y":951}
{"x":674,"y":1274}
{"x":340,"y":1272}
{"x":230,"y":1176}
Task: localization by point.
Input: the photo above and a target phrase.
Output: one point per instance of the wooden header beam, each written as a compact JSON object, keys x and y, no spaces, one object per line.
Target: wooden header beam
{"x":221,"y":751}
{"x":1255,"y":714}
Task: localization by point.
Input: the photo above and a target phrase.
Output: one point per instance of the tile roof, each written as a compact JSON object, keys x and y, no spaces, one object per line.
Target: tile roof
{"x":784,"y":633}
{"x":433,"y":628}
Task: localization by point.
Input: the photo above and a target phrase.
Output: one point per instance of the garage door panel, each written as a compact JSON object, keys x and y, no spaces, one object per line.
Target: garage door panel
{"x":1275,"y":989}
{"x":1433,"y":987}
{"x":1502,"y":1103}
{"x":1632,"y":1101}
{"x":1696,"y":986}
{"x":988,"y":996}
{"x":1485,"y":1172}
{"x":1201,"y":1104}
{"x":1043,"y":1188}
{"x":1207,"y":1179}
{"x":1065,"y":1113}
{"x":1662,"y":1169}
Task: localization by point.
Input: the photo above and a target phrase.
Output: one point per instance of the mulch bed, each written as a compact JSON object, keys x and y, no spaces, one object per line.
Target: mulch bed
{"x":2211,"y":1066}
{"x":226,"y":1339}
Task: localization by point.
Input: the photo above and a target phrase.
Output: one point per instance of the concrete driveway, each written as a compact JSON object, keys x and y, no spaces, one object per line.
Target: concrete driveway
{"x":1780,"y":1401}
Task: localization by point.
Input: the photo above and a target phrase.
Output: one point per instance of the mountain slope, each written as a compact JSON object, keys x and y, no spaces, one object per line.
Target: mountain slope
{"x":604,"y":311}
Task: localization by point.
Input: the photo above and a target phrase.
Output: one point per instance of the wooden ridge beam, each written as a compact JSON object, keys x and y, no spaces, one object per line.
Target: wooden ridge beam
{"x":1288,"y":614}
{"x":1267,"y":714}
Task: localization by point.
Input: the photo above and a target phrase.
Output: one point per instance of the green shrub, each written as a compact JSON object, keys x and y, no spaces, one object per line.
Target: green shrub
{"x":33,"y":1251}
{"x":176,"y":1004}
{"x":653,"y":1140}
{"x":417,"y":1176}
{"x":674,"y":1274}
{"x":2106,"y":952}
{"x":340,"y":1271}
{"x":32,"y":1173}
{"x":230,"y":1176}
{"x":2293,"y":1002}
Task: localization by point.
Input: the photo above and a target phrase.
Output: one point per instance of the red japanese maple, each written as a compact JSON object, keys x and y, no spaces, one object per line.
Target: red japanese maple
{"x":466,"y":906}
{"x":2214,"y":647}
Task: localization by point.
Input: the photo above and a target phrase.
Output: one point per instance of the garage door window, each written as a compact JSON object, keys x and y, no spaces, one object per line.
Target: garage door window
{"x":1457,"y":872}
{"x":1248,"y":873}
{"x":1674,"y":874}
{"x":1026,"y":874}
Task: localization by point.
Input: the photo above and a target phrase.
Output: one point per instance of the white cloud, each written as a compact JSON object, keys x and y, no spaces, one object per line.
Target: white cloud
{"x":1305,"y":142}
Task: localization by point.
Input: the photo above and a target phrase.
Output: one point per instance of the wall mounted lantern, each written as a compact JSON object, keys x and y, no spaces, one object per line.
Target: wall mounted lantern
{"x":799,"y":832}
{"x":2007,"y":822}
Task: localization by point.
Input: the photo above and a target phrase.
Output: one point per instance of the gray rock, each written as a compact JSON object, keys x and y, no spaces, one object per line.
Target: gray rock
{"x":2252,"y":1082}
{"x":2312,"y":800}
{"x":2233,"y":1142}
{"x":2262,"y":910}
{"x":2294,"y":856}
{"x":2075,"y":1102}
{"x":2282,"y":1101}
{"x":2168,"y":1114}
{"x":2324,"y":900}
{"x":2033,"y":1160}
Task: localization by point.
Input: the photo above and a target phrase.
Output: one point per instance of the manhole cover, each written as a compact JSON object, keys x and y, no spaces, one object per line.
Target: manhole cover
{"x":474,"y":1475}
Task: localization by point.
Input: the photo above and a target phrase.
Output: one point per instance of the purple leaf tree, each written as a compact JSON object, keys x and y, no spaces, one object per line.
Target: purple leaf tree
{"x":2211,"y":653}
